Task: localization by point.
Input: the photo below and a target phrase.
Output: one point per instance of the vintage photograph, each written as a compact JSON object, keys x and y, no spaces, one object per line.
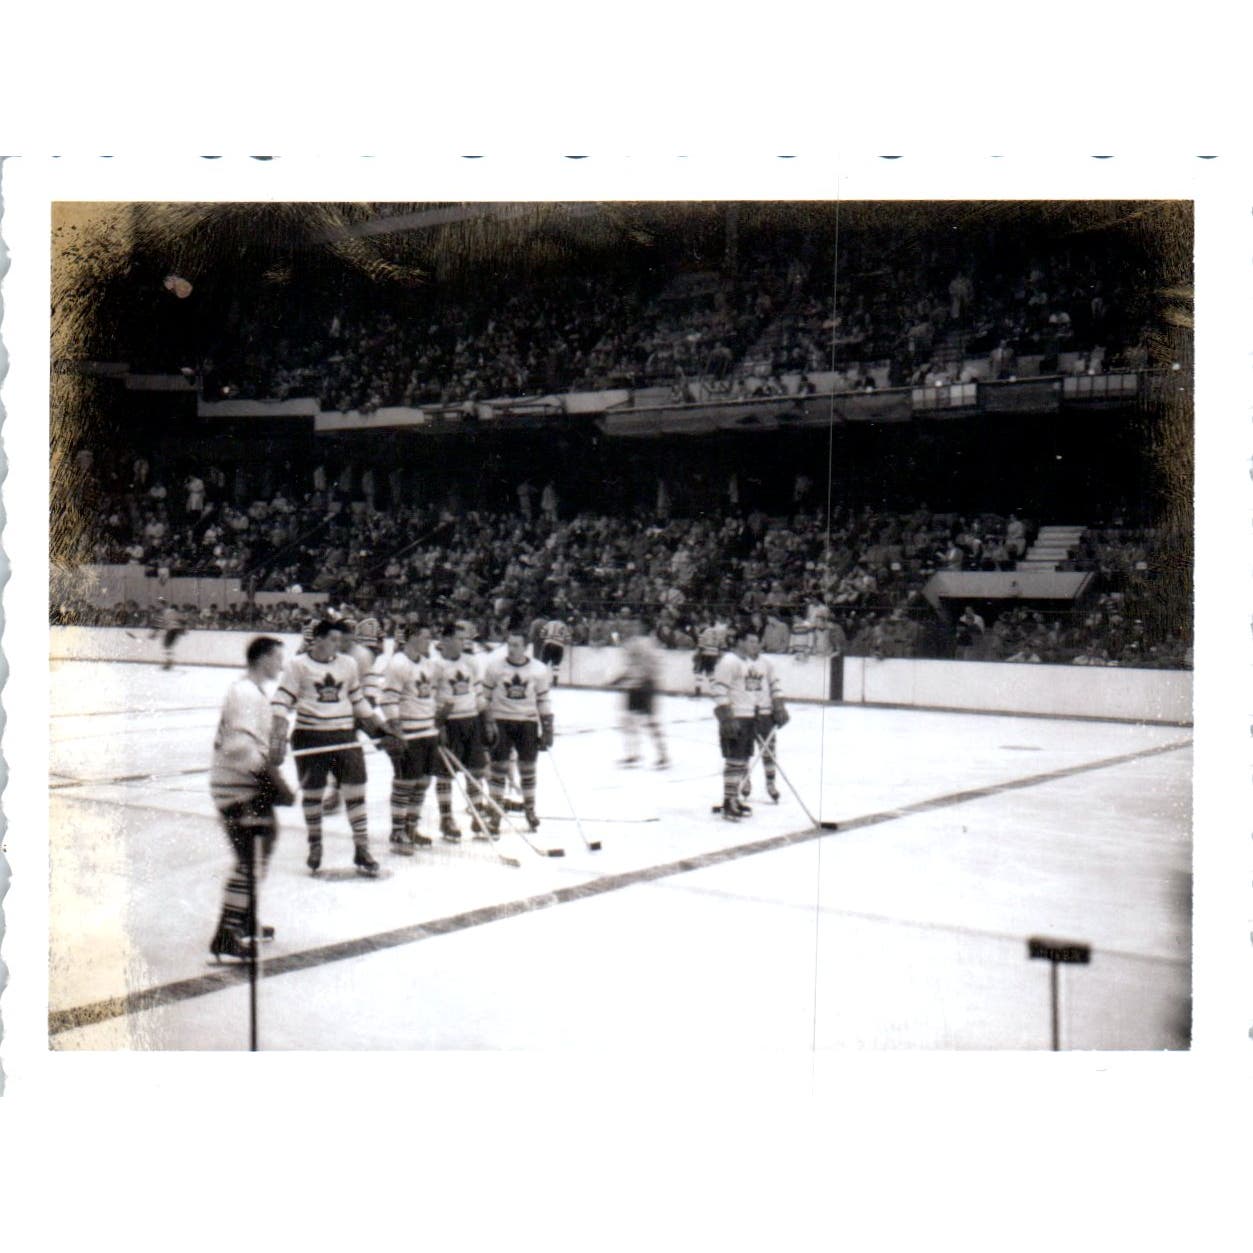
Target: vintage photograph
{"x":581,"y":625}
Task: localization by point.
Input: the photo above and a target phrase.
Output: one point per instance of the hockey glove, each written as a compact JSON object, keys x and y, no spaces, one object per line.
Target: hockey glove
{"x":546,"y":732}
{"x":781,"y":715}
{"x":273,"y":788}
{"x":490,"y":732}
{"x":370,"y":727}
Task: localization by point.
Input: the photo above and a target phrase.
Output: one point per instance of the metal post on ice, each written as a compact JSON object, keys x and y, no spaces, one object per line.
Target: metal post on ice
{"x":1058,"y":953}
{"x":254,"y":947}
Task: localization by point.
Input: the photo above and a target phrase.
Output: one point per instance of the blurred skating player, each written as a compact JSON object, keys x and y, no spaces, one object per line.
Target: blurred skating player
{"x":408,"y":702}
{"x":364,"y":644}
{"x":555,"y":635}
{"x":460,"y":714}
{"x":518,"y":717}
{"x":640,"y":681}
{"x":245,"y":789}
{"x":168,"y":623}
{"x":323,"y":687}
{"x":771,"y":713}
{"x":710,"y":641}
{"x":736,"y":683}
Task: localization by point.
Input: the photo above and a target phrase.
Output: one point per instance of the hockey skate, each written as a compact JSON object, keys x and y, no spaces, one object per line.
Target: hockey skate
{"x":314,"y":860}
{"x":449,"y":830}
{"x":401,"y":844}
{"x":229,"y":943}
{"x":365,"y":864}
{"x":532,"y":818}
{"x":414,"y":836}
{"x":772,"y":791}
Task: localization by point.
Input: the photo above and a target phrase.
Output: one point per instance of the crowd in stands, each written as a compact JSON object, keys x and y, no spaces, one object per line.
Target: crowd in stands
{"x":852,"y":587}
{"x":772,"y":314}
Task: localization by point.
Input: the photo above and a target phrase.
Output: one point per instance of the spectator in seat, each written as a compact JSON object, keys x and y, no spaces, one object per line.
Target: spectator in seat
{"x":774,"y":638}
{"x":1016,"y":537}
{"x":1003,"y":361}
{"x":970,"y":632}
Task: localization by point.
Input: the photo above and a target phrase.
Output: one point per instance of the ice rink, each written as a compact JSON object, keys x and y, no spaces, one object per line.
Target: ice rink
{"x":959,"y":837}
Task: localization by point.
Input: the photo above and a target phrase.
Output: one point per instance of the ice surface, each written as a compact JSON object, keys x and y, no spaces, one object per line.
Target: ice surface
{"x":905,"y":929}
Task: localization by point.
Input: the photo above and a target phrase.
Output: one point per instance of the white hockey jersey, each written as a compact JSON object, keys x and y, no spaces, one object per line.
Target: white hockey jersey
{"x":517,"y":693}
{"x":326,"y":695}
{"x":409,"y":693}
{"x":241,"y":746}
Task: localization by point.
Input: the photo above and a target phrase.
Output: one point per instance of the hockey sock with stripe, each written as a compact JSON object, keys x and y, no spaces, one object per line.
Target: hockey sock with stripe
{"x":402,"y":797}
{"x":419,"y":795}
{"x":312,"y":807}
{"x":526,"y":770}
{"x":443,"y":794}
{"x":354,"y":807}
{"x":497,"y":784}
{"x":235,"y":901}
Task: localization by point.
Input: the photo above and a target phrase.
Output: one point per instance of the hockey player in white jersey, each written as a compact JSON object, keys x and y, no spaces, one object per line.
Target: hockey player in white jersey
{"x":518,"y":717}
{"x":460,"y":715}
{"x":245,"y":788}
{"x":770,"y":715}
{"x":408,"y":702}
{"x":735,"y":686}
{"x":323,"y":688}
{"x":365,"y":646}
{"x":639,"y":677}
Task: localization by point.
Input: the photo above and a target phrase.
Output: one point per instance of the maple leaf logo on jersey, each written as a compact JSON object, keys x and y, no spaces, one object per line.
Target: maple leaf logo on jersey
{"x":328,"y":690}
{"x":460,"y":684}
{"x":423,"y":689}
{"x":752,"y":681}
{"x":515,"y":688}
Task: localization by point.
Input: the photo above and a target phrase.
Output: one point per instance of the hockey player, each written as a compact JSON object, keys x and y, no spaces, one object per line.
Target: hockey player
{"x":640,"y":680}
{"x":770,"y":715}
{"x":735,"y":687}
{"x":245,"y":789}
{"x":365,"y":646}
{"x":709,"y":644}
{"x":408,"y":703}
{"x":517,"y":716}
{"x":460,"y":715}
{"x":168,"y":623}
{"x":555,"y":635}
{"x":323,"y":688}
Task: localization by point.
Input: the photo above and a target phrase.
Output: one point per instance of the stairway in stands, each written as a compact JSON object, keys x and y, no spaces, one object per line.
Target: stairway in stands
{"x":1052,"y":545}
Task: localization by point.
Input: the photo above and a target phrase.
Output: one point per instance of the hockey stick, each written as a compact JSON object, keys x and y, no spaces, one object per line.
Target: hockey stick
{"x":470,"y":805}
{"x":594,"y":845}
{"x":759,"y":753}
{"x":821,"y":826}
{"x":501,"y":815}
